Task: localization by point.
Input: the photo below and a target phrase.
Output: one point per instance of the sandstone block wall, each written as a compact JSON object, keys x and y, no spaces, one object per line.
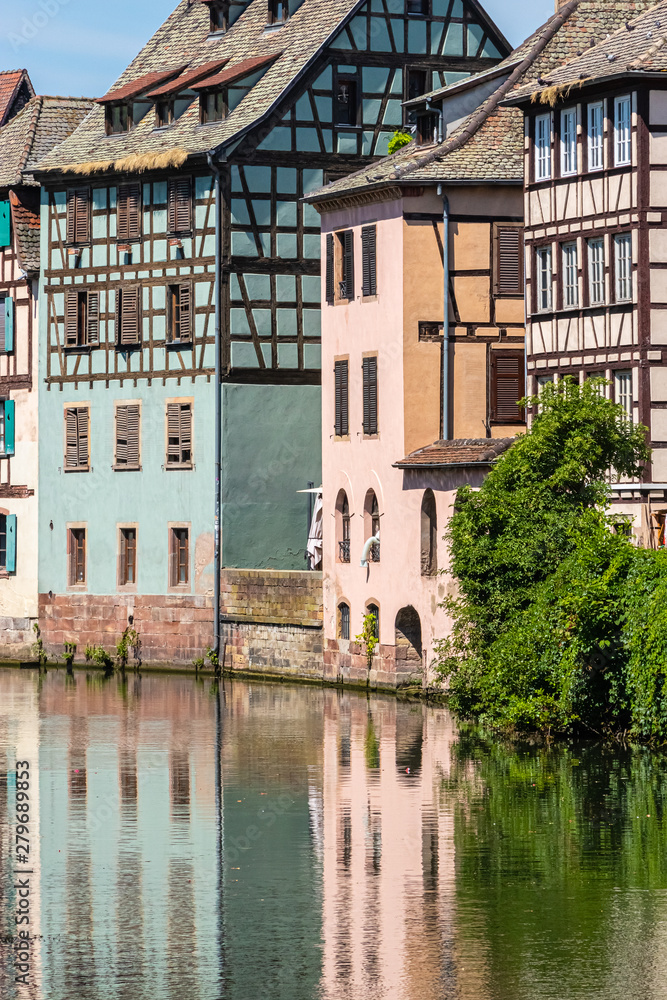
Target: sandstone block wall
{"x":16,"y":638}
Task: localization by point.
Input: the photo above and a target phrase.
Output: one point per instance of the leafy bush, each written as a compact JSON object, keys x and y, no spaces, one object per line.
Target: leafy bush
{"x":397,"y":141}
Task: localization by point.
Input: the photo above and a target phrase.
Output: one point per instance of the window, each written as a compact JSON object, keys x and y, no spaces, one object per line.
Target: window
{"x":343,"y":527}
{"x":373,"y":609}
{"x":417,"y":7}
{"x":179,"y":314}
{"x":568,"y":141}
{"x":8,"y":543}
{"x":346,"y":100}
{"x":427,"y":129}
{"x":369,"y":260}
{"x":179,"y":557}
{"x":570,"y":275}
{"x":7,"y":436}
{"x":179,"y":200}
{"x":128,"y":227}
{"x":278,"y":11}
{"x":77,"y":557}
{"x":622,"y":131}
{"x":179,"y":435}
{"x":416,"y":84}
{"x":541,"y":381}
{"x":212,"y":106}
{"x":429,"y":535}
{"x":542,"y":147}
{"x":127,"y":436}
{"x":219,"y":17}
{"x":370,"y":392}
{"x":78,"y":216}
{"x":596,"y":282}
{"x":6,"y":324}
{"x":372,"y":524}
{"x":127,"y":569}
{"x":343,"y":620}
{"x":128,"y":316}
{"x":82,"y":318}
{"x":623,"y":391}
{"x":5,"y":224}
{"x":596,"y":136}
{"x":507,"y":386}
{"x":341,"y":378}
{"x":623,"y":267}
{"x":77,"y":439}
{"x":118,"y":118}
{"x":346,"y":283}
{"x":164,"y":113}
{"x":508,"y":260}
{"x":544,"y":278}
{"x":330,"y":269}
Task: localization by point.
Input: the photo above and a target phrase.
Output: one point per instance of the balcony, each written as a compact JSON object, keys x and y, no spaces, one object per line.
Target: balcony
{"x":344,"y":551}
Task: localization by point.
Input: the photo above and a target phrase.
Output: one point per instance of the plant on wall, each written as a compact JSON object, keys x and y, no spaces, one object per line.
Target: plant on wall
{"x":369,"y":636}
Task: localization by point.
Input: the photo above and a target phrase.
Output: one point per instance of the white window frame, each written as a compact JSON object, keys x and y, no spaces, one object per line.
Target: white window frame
{"x":623,"y":267}
{"x":570,"y":260}
{"x":597,"y":292}
{"x":544,"y":278}
{"x":543,"y":148}
{"x":596,"y":136}
{"x":623,"y":130}
{"x":568,"y":142}
{"x":623,"y":391}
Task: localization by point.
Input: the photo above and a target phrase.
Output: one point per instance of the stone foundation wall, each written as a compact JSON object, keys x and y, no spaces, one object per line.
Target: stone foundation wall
{"x":345,"y":662}
{"x":16,"y":638}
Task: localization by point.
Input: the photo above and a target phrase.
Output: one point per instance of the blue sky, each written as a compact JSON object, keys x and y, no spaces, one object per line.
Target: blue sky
{"x":78,"y":47}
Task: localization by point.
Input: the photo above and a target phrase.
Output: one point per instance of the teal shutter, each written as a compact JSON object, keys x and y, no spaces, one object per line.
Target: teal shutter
{"x":9,"y":427}
{"x":9,"y":324}
{"x":11,"y":543}
{"x":4,"y":224}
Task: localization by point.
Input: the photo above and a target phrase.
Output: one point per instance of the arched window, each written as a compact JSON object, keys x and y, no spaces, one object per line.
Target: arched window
{"x":408,"y":636}
{"x":343,"y":620}
{"x":372,"y":523}
{"x":373,"y":609}
{"x":343,"y":527}
{"x":429,"y":535}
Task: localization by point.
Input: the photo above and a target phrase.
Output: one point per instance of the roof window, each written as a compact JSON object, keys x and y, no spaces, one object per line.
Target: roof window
{"x":219,"y":18}
{"x":278,"y":11}
{"x":118,"y":118}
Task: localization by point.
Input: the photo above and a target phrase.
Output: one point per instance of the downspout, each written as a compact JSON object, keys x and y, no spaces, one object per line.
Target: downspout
{"x":445,"y":325}
{"x":218,"y":404}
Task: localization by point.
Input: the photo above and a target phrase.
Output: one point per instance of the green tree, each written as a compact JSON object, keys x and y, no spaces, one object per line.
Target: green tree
{"x":397,"y":141}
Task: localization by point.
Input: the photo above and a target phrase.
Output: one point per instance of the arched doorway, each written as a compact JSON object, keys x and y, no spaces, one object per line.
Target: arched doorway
{"x":408,"y":637}
{"x":429,"y":535}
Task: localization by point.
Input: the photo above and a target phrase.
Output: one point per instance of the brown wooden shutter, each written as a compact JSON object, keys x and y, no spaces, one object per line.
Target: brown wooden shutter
{"x":507,"y":386}
{"x":129,"y":212}
{"x":121,"y":435}
{"x":186,"y":434}
{"x":93,"y":318}
{"x":78,"y":215}
{"x":72,"y":318}
{"x":129,"y":315}
{"x":185,"y":312}
{"x":341,"y":380}
{"x":369,"y":260}
{"x":509,"y":260}
{"x":348,"y":265}
{"x":82,"y":430}
{"x":133,"y":434}
{"x":71,"y":439}
{"x":330,"y":276}
{"x":173,"y":434}
{"x":370,"y":395}
{"x":180,"y":204}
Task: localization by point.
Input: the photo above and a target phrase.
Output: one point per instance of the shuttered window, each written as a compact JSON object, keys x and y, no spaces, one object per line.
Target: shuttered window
{"x":507,"y":386}
{"x":128,"y":316}
{"x":127,"y":570}
{"x":129,"y":213}
{"x":179,"y":314}
{"x":509,"y":260}
{"x":77,"y":557}
{"x":346,"y":290}
{"x":179,"y":435}
{"x":341,"y":378}
{"x":5,"y":224}
{"x":2,"y":321}
{"x":369,"y":260}
{"x":127,"y":436}
{"x":179,"y":557}
{"x":82,"y":318}
{"x":7,"y":424}
{"x":76,"y":438}
{"x":78,"y":216}
{"x":370,"y":388}
{"x":8,"y":543}
{"x":180,"y":205}
{"x":330,"y":274}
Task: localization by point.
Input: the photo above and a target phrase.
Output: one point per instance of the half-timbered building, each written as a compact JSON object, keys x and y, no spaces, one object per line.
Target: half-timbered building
{"x":31,"y":131}
{"x":596,"y":253}
{"x":261,"y":103}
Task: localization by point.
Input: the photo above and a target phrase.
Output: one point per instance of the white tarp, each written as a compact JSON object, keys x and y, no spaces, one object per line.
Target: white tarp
{"x":314,"y":548}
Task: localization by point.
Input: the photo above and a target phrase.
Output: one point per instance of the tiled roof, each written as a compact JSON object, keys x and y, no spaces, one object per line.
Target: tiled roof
{"x":25,"y":224}
{"x":184,"y":40}
{"x":463,"y":452}
{"x":189,"y":77}
{"x":10,"y":84}
{"x":638,"y":46}
{"x":34,"y":132}
{"x":132,"y":88}
{"x":488,"y":145}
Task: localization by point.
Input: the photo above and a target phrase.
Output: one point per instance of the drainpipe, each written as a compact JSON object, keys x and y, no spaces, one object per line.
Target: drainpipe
{"x":218,"y":403}
{"x":445,"y":328}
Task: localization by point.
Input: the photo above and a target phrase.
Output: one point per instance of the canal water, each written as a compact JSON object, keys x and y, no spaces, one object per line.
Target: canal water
{"x":292,"y":843}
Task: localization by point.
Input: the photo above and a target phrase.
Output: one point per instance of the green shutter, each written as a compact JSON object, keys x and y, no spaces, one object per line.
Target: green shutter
{"x":9,"y":427}
{"x":4,"y":224}
{"x":9,"y":324}
{"x":10,"y":565}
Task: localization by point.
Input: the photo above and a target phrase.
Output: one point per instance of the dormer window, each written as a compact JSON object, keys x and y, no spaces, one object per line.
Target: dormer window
{"x":164,"y":113}
{"x":417,"y":8}
{"x":219,"y":17}
{"x":212,"y":106}
{"x":427,"y":129}
{"x":278,"y":11}
{"x":118,"y":118}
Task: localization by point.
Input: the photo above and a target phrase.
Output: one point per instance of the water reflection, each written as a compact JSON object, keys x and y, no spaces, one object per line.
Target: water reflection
{"x":295,"y":843}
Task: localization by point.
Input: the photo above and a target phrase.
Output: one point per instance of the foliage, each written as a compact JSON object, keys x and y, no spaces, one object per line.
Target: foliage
{"x":369,"y":636}
{"x":397,"y":141}
{"x":38,"y":645}
{"x":129,"y":640}
{"x":214,"y":660}
{"x":69,"y":654}
{"x":99,"y":656}
{"x":560,"y":622}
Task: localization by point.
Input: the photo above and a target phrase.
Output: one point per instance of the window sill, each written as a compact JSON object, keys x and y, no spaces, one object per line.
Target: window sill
{"x":370,"y":437}
{"x":179,"y":588}
{"x":215,"y":35}
{"x":180,"y":468}
{"x":126,"y":468}
{"x":178,"y":344}
{"x":271,"y":28}
{"x":79,"y":468}
{"x":80,"y":348}
{"x":127,"y":348}
{"x":341,"y":437}
{"x":127,"y":588}
{"x":77,"y":588}
{"x":342,"y":302}
{"x":186,"y":234}
{"x":369,"y":298}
